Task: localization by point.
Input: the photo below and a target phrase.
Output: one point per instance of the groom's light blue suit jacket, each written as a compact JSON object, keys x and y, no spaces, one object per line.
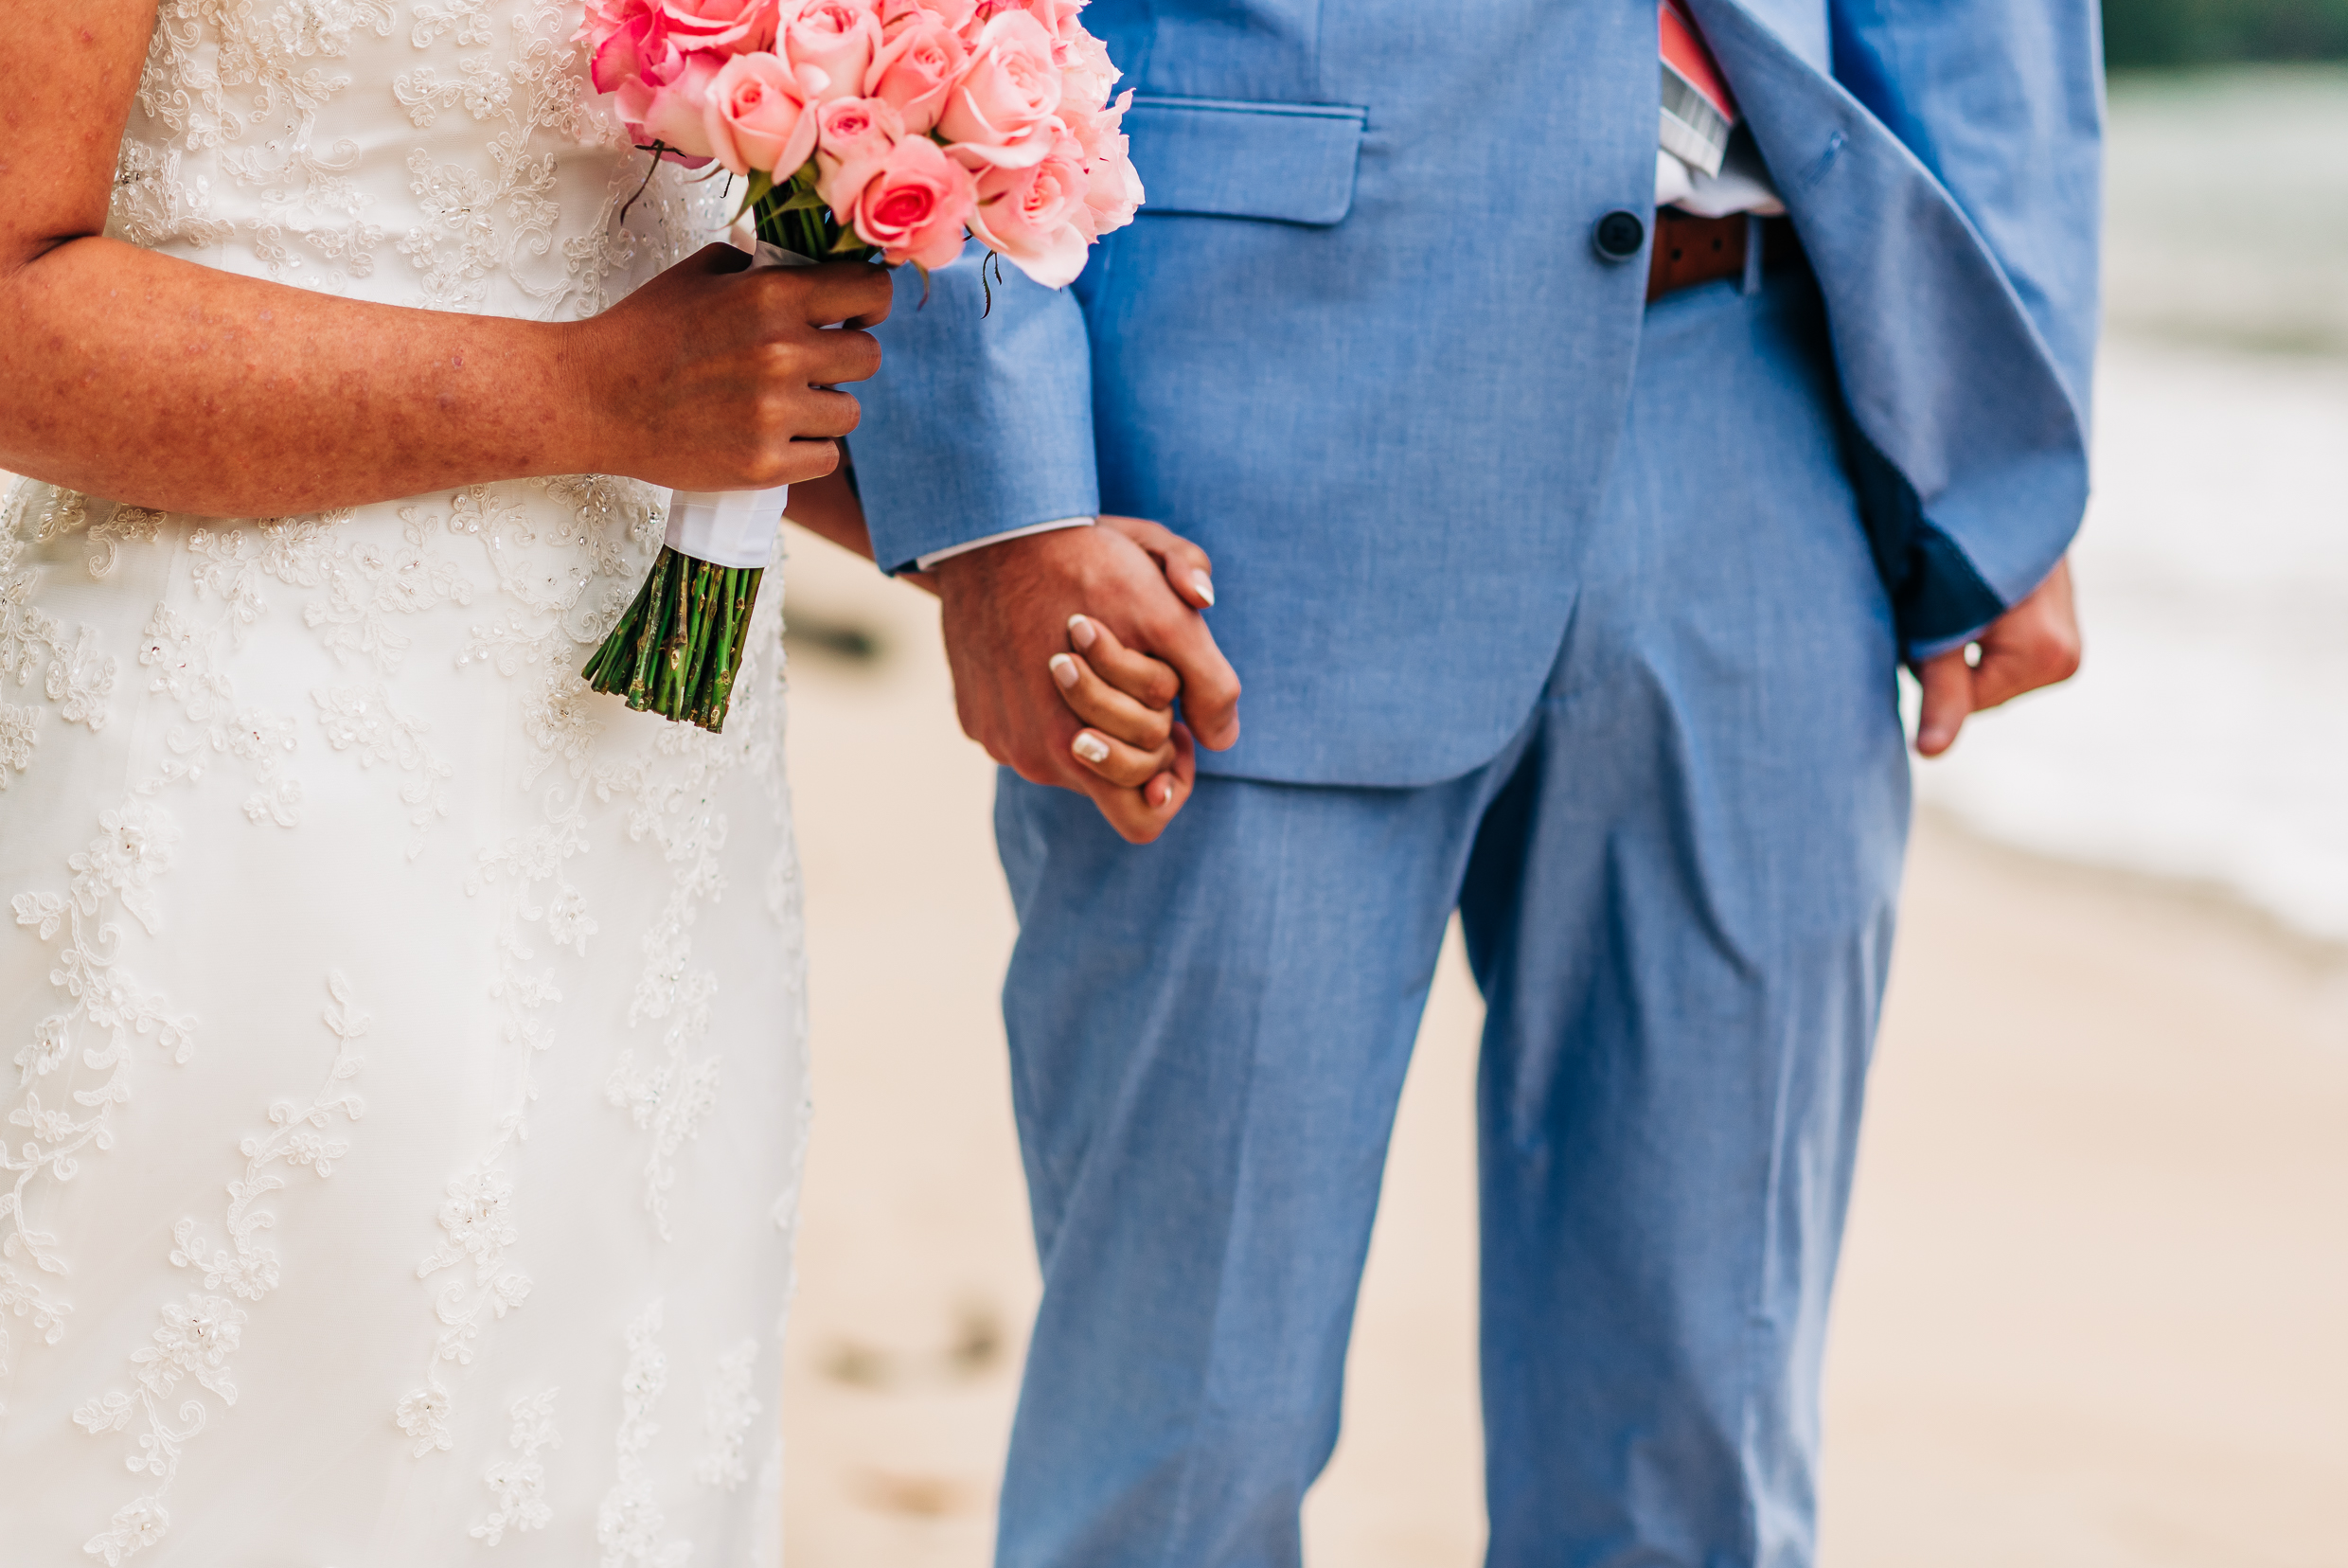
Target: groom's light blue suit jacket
{"x":1361,"y":348}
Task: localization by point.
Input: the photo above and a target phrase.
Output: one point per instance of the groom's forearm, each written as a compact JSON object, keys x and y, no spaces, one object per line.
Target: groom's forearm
{"x":827,"y":507}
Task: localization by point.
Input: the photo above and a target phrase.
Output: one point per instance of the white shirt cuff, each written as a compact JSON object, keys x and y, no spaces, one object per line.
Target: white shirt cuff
{"x":924,"y":562}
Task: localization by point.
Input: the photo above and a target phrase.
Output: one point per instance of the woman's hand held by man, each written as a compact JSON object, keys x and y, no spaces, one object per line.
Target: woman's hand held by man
{"x":1067,"y":648}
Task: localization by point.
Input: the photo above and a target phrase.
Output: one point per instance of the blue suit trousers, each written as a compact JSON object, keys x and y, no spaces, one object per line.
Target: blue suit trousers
{"x":1678,"y":883}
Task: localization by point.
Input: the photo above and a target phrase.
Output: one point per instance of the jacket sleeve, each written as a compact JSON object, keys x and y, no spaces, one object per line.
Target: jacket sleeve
{"x":1941,"y":169}
{"x":980,"y":420}
{"x":2003,"y":102}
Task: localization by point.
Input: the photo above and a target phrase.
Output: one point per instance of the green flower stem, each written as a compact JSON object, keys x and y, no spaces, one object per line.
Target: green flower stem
{"x":678,"y":648}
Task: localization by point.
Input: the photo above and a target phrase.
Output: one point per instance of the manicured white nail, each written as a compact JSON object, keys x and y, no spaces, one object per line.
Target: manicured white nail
{"x":1162,"y":791}
{"x":1206,"y":586}
{"x":1080,"y":632}
{"x":1091,"y":748}
{"x":1064,"y":671}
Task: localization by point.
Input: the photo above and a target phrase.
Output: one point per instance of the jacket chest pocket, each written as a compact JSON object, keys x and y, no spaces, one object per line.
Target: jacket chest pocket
{"x":1282,"y":163}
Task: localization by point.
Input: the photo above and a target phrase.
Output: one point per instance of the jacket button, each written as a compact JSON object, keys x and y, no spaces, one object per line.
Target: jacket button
{"x":1618,"y":236}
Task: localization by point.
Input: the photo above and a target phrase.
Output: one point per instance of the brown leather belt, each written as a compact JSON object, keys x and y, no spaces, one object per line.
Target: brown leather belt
{"x":1691,"y":250}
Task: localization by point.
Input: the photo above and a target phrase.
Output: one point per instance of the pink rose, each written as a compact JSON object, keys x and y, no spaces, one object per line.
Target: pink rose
{"x":729,"y":26}
{"x":836,"y":37}
{"x":761,"y":115}
{"x":853,"y":132}
{"x":912,"y":204}
{"x":1001,"y":110}
{"x":673,"y":113}
{"x":1114,"y":186}
{"x":1086,"y":72}
{"x":1113,"y":196}
{"x":916,"y":69}
{"x":1032,"y":215}
{"x":1097,"y":131}
{"x":628,"y":39}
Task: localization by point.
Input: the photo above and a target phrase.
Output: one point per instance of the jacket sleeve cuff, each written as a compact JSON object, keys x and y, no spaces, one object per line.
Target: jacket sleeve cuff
{"x":980,"y":420}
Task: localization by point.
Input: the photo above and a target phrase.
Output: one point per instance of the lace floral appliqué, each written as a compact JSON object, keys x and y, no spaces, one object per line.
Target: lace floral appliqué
{"x":519,"y":1481}
{"x":106,"y":1012}
{"x":200,"y":1336}
{"x":727,"y":1418}
{"x":234,"y":146}
{"x":628,"y":1523}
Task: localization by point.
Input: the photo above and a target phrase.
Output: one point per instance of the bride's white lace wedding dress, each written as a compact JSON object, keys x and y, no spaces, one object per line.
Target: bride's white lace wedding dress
{"x":407,"y":1043}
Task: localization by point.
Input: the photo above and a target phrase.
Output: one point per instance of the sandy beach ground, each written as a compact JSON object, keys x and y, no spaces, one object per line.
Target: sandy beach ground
{"x":2094,"y":1309}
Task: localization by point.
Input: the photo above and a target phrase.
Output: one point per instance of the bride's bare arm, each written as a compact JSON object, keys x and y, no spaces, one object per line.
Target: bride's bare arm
{"x":173,"y":385}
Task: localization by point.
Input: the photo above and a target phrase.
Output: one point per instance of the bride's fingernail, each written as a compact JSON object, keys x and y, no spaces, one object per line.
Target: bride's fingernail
{"x":1206,"y":586}
{"x":1064,"y":671}
{"x":1080,"y":632}
{"x":1160,"y":791}
{"x":1090,"y":748}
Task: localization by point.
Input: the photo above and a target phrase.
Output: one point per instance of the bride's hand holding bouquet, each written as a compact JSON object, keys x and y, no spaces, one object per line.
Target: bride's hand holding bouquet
{"x":882,"y":131}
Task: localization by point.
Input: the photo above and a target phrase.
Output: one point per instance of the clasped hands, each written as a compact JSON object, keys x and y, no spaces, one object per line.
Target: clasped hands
{"x":1111,"y":616}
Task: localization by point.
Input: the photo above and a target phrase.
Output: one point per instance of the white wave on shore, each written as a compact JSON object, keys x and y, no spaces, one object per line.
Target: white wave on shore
{"x":2206,"y":737}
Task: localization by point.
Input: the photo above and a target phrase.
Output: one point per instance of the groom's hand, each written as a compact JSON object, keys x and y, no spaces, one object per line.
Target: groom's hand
{"x":1006,"y":614}
{"x":2033,"y":645}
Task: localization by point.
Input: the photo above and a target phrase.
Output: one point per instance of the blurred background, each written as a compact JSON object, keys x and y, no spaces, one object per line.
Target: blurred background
{"x":2094,"y":1305}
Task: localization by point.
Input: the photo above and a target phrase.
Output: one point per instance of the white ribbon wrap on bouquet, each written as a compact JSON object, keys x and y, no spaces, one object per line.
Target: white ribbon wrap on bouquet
{"x":727,"y":527}
{"x":733,"y":528}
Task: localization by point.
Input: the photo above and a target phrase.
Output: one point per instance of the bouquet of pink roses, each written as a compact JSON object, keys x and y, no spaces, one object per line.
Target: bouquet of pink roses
{"x":883,"y":130}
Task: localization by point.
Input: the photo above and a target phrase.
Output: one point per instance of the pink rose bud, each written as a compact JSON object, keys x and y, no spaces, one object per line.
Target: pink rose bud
{"x":761,"y":115}
{"x":916,"y":69}
{"x":912,"y":204}
{"x":1031,"y":215}
{"x":836,"y":37}
{"x":854,"y":130}
{"x":1001,"y":110}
